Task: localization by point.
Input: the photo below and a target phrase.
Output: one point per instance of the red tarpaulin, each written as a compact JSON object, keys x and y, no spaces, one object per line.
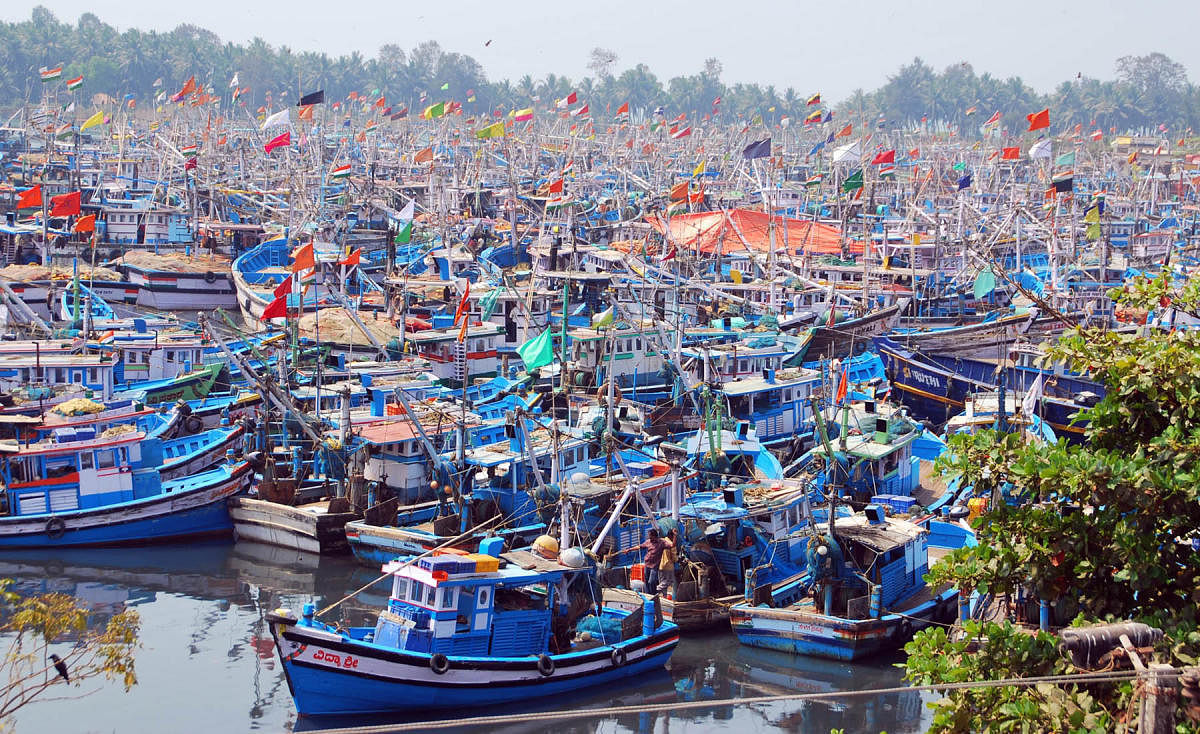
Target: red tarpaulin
{"x":707,"y":230}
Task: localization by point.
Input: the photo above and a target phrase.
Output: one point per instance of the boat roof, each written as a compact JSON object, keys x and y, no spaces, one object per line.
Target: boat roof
{"x":783,"y":378}
{"x":518,"y":568}
{"x":880,"y":537}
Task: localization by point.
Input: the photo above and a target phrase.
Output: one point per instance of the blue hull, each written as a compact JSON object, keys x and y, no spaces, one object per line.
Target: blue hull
{"x":324,"y":692}
{"x":210,"y":519}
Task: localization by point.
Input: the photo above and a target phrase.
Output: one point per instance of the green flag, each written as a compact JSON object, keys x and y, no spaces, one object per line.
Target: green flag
{"x":1093,"y":232}
{"x":604,"y":318}
{"x":985,"y":283}
{"x":1066,"y":159}
{"x":960,"y":166}
{"x":446,"y":86}
{"x":854,"y":182}
{"x":488,"y":302}
{"x":538,"y":351}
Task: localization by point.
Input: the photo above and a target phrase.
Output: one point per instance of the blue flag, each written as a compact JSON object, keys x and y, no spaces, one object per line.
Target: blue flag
{"x":760,"y":149}
{"x":964,"y":182}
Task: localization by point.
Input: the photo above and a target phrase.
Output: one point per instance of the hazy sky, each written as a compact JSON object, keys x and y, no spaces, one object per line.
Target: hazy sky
{"x":831,"y":47}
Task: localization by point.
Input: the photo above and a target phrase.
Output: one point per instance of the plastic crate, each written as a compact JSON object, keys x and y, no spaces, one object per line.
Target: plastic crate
{"x":484,"y":563}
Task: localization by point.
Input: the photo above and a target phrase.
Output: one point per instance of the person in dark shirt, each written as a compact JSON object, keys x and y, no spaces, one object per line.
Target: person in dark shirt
{"x":653,"y":546}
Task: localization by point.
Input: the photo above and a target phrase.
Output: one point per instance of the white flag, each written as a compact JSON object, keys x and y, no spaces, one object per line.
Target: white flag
{"x":282,"y":117}
{"x":1040,"y":149}
{"x":848,"y":152}
{"x":1032,"y":396}
{"x":234,"y":81}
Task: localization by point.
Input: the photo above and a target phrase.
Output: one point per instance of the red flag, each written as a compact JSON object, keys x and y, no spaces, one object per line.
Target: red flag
{"x":191,"y":163}
{"x":86,"y":224}
{"x":352,"y":259}
{"x":1039,"y":120}
{"x":281,"y":141}
{"x":994,"y":118}
{"x":556,"y":187}
{"x":845,"y":132}
{"x":1010,"y":154}
{"x":463,"y":303}
{"x":462,"y":333}
{"x":670,"y":254}
{"x":423,"y":156}
{"x":843,"y":385}
{"x":30,"y":198}
{"x":275,"y":309}
{"x":679,"y":192}
{"x":914,"y":153}
{"x":65,"y":205}
{"x":887,"y":156}
{"x":283,"y":288}
{"x":623,"y":109}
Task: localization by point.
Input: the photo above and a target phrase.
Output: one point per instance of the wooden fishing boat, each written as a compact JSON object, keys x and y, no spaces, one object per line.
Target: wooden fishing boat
{"x":84,"y":488}
{"x":464,"y":631}
{"x":853,"y":335}
{"x":833,"y":610}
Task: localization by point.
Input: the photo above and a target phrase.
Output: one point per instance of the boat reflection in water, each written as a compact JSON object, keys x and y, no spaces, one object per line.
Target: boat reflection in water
{"x":207,"y":655}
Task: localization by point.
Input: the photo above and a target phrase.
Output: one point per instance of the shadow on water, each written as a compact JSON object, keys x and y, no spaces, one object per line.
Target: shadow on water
{"x":208,"y":656}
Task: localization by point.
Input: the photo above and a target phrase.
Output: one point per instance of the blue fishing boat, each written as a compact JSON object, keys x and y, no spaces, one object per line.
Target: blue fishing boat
{"x":863,"y":593}
{"x":464,"y":631}
{"x":82,"y":487}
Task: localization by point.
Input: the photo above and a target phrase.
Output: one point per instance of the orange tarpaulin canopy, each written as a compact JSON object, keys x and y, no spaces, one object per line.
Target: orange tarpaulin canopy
{"x":707,"y":230}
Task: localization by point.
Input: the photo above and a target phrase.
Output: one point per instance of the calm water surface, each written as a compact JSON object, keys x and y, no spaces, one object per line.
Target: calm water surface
{"x":207,"y":663}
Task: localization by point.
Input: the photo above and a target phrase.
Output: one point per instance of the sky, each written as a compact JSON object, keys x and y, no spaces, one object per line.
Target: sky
{"x":831,"y":47}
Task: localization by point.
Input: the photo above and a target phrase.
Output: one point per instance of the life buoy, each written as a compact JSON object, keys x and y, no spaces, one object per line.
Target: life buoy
{"x":439,"y":663}
{"x":210,"y":277}
{"x":545,"y":665}
{"x":193,"y":424}
{"x":618,"y":657}
{"x":55,"y":527}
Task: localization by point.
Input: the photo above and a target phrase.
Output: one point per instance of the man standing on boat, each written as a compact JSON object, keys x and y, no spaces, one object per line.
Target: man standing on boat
{"x":654,"y":547}
{"x":666,"y":566}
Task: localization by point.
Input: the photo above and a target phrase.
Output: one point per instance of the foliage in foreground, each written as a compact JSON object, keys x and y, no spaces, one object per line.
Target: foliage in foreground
{"x":32,"y":628}
{"x":1104,"y":531}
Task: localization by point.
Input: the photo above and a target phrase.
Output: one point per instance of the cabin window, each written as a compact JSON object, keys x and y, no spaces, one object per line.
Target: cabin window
{"x":449,"y":598}
{"x":105,"y":459}
{"x":59,"y":466}
{"x":85,"y":461}
{"x":431,"y":597}
{"x":401,"y":590}
{"x":92,"y":374}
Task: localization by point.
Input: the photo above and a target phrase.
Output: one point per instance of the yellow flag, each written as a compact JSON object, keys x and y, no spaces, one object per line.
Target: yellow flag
{"x":916,"y":239}
{"x":699,"y":169}
{"x":495,"y":130}
{"x":736,"y":276}
{"x":93,"y":121}
{"x":1092,"y":215}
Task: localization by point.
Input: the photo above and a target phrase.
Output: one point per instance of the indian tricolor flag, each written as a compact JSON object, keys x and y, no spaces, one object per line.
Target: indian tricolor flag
{"x":76,"y":83}
{"x":49,"y":75}
{"x":340,"y":172}
{"x":190,"y":151}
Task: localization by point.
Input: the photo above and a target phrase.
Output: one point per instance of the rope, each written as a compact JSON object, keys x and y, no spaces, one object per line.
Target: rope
{"x":676,"y":706}
{"x":411,"y":561}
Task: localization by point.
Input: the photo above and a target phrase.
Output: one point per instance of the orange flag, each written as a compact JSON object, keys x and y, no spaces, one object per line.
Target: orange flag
{"x":30,"y":198}
{"x":305,"y":112}
{"x":86,"y":224}
{"x":423,"y":156}
{"x":352,"y":259}
{"x":462,"y":333}
{"x":845,"y":132}
{"x":679,"y":192}
{"x":305,"y":260}
{"x":1039,"y":120}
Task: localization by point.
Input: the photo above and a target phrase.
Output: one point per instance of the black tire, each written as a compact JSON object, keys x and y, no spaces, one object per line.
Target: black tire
{"x":618,"y":657}
{"x":55,"y":528}
{"x":210,"y":277}
{"x":193,"y":424}
{"x":905,"y":631}
{"x":439,"y":663}
{"x":545,"y":665}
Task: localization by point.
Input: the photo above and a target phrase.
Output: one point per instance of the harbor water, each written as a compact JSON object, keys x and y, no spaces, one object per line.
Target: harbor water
{"x":208,"y":664}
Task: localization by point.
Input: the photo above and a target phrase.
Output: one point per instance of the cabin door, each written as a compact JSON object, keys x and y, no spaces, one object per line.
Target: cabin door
{"x":158,"y":364}
{"x":483,"y":608}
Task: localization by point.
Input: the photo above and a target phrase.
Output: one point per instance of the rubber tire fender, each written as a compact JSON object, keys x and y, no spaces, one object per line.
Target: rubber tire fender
{"x":210,"y":277}
{"x":193,"y":424}
{"x":439,"y":663}
{"x":618,"y":657}
{"x":545,"y":665}
{"x":55,"y":528}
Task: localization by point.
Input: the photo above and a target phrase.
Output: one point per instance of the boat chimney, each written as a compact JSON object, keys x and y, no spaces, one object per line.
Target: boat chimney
{"x":378,"y":405}
{"x":869,"y":406}
{"x":881,"y":430}
{"x":769,"y":376}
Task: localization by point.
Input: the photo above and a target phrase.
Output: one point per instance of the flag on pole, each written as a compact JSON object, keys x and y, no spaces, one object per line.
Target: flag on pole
{"x":317,"y":97}
{"x":538,"y":351}
{"x":340,"y":171}
{"x":49,"y":75}
{"x":65,"y":205}
{"x":1032,"y":396}
{"x":993,"y":120}
{"x":281,"y":141}
{"x":814,"y":99}
{"x":843,"y":384}
{"x":1039,"y":120}
{"x":86,"y":224}
{"x":30,"y":198}
{"x":76,"y":83}
{"x":276,"y":309}
{"x":352,"y":259}
{"x":407,"y":215}
{"x":463,"y":303}
{"x":304,"y":258}
{"x":523,"y":115}
{"x":93,"y":121}
{"x":282,"y":117}
{"x":283,"y":288}
{"x":759,"y":149}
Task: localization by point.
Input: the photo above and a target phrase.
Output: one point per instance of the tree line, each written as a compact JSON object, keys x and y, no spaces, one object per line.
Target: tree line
{"x":1146,"y":93}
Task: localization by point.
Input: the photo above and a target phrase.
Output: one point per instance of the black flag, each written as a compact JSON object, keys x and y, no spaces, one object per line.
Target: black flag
{"x":317,"y":97}
{"x":761,"y":149}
